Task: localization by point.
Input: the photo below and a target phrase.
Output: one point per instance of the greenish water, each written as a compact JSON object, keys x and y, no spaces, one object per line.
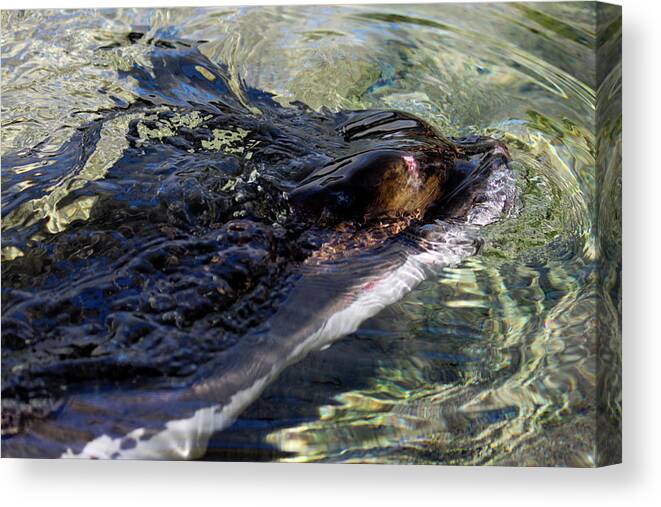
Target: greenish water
{"x":495,"y":361}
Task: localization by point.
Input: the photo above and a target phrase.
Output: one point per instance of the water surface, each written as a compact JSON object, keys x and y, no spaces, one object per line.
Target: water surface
{"x":491,"y":361}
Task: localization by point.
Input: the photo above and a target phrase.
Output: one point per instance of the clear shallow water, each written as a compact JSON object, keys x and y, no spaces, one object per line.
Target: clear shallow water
{"x":491,"y":361}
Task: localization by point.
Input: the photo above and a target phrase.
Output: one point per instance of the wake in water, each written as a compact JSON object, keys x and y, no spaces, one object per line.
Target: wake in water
{"x":152,"y":290}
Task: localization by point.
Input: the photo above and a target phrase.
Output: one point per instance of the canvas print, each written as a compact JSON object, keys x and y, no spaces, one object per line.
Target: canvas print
{"x":340,"y":234}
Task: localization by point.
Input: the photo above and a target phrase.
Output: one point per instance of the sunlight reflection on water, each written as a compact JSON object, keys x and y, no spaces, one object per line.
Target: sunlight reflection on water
{"x":487,"y":361}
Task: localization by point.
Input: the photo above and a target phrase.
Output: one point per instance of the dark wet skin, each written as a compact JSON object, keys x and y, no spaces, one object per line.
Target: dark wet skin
{"x":188,"y":249}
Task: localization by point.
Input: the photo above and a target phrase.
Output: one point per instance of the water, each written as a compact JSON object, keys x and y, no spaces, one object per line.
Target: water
{"x":496,"y":360}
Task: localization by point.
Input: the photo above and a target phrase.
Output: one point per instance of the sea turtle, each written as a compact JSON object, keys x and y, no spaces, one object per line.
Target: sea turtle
{"x":152,"y":288}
